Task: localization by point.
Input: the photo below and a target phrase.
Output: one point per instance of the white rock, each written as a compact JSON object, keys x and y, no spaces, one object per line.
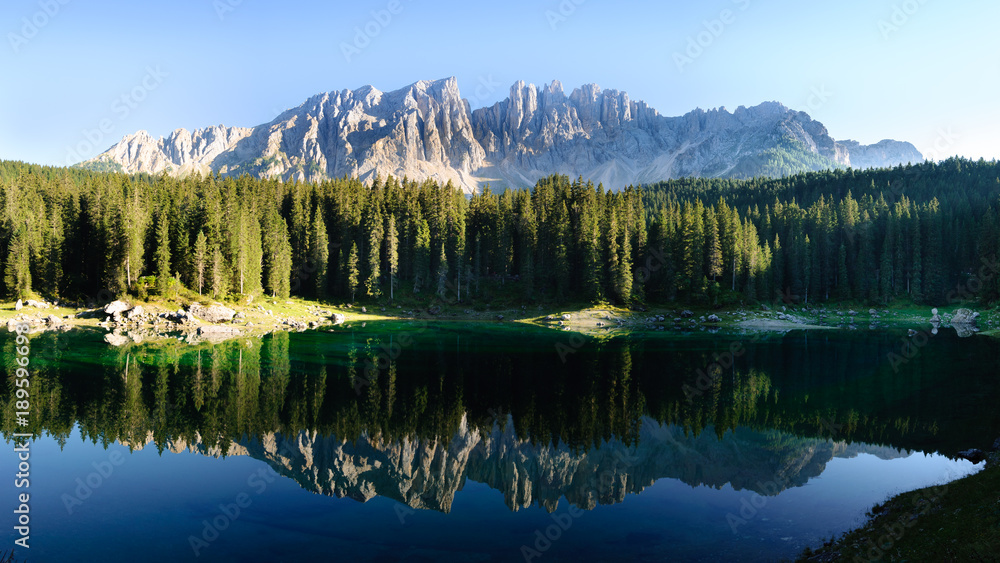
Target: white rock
{"x":116,"y":307}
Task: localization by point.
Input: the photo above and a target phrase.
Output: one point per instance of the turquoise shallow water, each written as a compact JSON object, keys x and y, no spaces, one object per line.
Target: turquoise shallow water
{"x":407,"y":442}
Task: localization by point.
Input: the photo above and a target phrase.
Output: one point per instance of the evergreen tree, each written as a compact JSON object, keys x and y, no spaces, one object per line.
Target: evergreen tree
{"x":392,"y":253}
{"x":163,"y":255}
{"x":319,"y":249}
{"x":134,"y":221}
{"x":353,"y":275}
{"x":421,"y":256}
{"x":277,"y":255}
{"x":916,"y":268}
{"x":843,"y":283}
{"x":200,"y":259}
{"x":442,"y":273}
{"x":220,"y":284}
{"x":713,"y":245}
{"x":17,"y":269}
{"x":374,"y":262}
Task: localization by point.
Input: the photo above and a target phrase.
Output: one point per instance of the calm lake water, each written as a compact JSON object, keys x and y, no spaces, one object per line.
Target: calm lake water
{"x":482,"y":442}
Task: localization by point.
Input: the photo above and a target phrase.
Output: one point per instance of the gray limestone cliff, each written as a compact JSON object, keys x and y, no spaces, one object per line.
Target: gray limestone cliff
{"x":427,"y":130}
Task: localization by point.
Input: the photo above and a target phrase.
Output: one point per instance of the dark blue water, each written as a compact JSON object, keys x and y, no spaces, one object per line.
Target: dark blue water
{"x":473,"y":443}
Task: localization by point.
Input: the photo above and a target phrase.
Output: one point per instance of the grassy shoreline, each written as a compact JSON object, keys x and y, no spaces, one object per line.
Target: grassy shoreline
{"x":957,"y":521}
{"x":267,"y":315}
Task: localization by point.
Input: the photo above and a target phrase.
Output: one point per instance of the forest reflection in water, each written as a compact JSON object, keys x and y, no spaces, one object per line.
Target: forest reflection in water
{"x":356,"y":414}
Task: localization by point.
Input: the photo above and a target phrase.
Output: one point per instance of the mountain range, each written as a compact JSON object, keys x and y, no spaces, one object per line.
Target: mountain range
{"x":428,"y":131}
{"x":428,"y":473}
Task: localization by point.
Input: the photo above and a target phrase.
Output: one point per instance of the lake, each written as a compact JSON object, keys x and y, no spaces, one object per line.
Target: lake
{"x":409,"y":441}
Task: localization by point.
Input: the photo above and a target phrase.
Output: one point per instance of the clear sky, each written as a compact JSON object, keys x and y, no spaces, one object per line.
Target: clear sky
{"x":80,"y":75}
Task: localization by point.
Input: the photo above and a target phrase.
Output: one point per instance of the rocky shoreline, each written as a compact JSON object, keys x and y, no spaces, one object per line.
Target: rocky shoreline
{"x":198,"y":322}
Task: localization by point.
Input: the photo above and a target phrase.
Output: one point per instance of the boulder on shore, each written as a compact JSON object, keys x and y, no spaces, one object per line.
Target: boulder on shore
{"x":215,"y":313}
{"x":116,"y":308}
{"x":19,"y":305}
{"x":338,"y":319}
{"x":964,"y":317}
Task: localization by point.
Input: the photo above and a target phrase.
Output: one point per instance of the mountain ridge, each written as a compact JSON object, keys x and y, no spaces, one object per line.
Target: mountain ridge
{"x":427,"y":130}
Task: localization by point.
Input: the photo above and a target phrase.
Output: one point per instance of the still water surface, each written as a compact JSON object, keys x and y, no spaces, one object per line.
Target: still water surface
{"x":471,"y":442}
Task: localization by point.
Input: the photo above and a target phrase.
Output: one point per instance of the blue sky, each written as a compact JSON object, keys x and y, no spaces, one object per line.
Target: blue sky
{"x":80,"y":75}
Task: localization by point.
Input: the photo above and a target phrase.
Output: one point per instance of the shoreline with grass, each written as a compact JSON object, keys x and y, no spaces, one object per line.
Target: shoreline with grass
{"x":956,"y":521}
{"x":142,"y":320}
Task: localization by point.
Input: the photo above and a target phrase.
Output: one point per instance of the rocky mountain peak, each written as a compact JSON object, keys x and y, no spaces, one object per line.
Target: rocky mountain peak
{"x":427,"y":130}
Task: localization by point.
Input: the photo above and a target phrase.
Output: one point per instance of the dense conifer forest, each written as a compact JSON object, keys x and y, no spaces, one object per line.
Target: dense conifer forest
{"x":922,"y":233}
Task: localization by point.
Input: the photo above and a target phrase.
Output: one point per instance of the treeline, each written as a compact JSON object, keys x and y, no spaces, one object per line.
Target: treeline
{"x":913,"y":232}
{"x":286,"y":383}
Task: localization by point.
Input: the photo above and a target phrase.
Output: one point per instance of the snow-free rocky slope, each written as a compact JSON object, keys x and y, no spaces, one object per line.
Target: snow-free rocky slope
{"x":427,"y":130}
{"x":428,"y":473}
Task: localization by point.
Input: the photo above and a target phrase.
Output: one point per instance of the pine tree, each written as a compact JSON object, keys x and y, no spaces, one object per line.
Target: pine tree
{"x":612,"y":254}
{"x":353,"y":276}
{"x":134,"y":221}
{"x":248,"y":253}
{"x":592,"y":266}
{"x":319,"y":250}
{"x":277,"y":255}
{"x":200,"y":259}
{"x":885,"y":270}
{"x":374,"y":250}
{"x":933,"y":279}
{"x":17,"y":269}
{"x":916,"y":268}
{"x":163,"y":255}
{"x":843,"y":282}
{"x":693,"y":247}
{"x":421,"y":256}
{"x":220,"y":285}
{"x":442,"y":273}
{"x":778,"y":270}
{"x":713,"y":244}
{"x":392,"y":252}
{"x":623,"y":274}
